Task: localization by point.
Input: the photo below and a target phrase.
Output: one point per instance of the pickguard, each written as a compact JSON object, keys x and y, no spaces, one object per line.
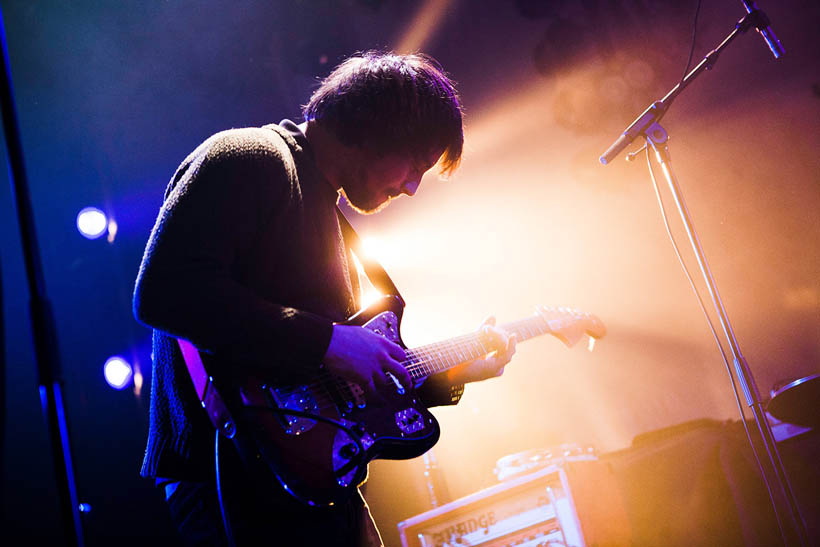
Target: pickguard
{"x":385,"y":324}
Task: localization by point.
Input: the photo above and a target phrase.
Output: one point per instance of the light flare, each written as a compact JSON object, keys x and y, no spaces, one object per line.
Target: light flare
{"x":426,"y":22}
{"x":118,"y":372}
{"x":92,"y":223}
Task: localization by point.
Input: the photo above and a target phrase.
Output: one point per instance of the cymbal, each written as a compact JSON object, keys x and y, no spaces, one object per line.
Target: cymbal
{"x":797,"y":402}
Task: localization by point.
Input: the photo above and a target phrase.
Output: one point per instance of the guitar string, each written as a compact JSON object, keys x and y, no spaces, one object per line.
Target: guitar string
{"x":428,"y":359}
{"x":422,"y":361}
{"x":325,"y":383}
{"x":440,"y":356}
{"x":443,"y":351}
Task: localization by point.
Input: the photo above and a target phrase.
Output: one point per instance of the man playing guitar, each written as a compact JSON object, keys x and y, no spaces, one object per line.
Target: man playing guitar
{"x":247,"y":263}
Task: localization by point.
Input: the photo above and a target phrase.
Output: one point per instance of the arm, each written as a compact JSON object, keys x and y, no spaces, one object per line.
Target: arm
{"x":220,"y":198}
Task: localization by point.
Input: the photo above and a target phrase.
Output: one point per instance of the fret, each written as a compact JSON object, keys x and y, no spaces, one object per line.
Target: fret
{"x":437,"y":357}
{"x":427,"y":360}
{"x":527,"y":328}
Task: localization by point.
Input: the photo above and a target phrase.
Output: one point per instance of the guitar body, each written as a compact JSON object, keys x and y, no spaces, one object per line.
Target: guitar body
{"x":318,"y":438}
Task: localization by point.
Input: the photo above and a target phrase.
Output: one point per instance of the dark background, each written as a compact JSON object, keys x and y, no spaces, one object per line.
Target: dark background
{"x":111,"y":96}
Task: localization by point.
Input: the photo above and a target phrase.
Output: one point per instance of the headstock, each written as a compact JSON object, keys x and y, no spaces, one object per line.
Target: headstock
{"x":570,"y":325}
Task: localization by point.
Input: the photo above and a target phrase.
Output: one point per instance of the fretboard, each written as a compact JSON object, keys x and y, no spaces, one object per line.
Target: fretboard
{"x":428,"y":360}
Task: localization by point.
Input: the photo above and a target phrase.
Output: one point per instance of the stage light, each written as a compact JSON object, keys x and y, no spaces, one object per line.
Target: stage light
{"x":92,"y":223}
{"x":112,"y":230}
{"x":138,"y":380}
{"x":117,"y":372}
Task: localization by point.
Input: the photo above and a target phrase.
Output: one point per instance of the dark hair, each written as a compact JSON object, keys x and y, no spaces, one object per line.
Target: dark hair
{"x":391,"y":103}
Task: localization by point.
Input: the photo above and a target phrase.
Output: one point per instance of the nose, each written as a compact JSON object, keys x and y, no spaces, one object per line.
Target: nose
{"x":409,"y":187}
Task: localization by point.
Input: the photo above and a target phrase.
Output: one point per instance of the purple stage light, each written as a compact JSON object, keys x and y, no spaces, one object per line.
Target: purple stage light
{"x":92,"y":223}
{"x":118,"y":372}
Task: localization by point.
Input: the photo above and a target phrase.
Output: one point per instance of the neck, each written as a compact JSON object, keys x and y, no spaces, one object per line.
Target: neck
{"x":332,"y":157}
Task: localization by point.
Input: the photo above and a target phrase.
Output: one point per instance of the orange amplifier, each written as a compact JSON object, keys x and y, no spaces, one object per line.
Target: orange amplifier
{"x":533,"y":510}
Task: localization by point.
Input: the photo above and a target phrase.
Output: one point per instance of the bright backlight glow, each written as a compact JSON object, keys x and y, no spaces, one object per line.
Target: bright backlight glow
{"x":92,"y":223}
{"x":117,"y":372}
{"x":375,"y":248}
{"x":369,"y":296}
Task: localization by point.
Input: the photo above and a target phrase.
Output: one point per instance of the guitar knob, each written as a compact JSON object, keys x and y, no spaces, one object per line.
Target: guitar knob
{"x":348,"y":451}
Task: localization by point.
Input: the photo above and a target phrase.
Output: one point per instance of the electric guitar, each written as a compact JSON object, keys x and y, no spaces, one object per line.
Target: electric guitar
{"x":318,"y":438}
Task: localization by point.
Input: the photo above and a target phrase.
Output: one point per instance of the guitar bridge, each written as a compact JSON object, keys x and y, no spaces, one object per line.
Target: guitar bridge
{"x":300,"y":399}
{"x":409,"y":421}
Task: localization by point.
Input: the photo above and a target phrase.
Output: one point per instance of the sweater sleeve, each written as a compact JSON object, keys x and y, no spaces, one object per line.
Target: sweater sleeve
{"x":217,"y":202}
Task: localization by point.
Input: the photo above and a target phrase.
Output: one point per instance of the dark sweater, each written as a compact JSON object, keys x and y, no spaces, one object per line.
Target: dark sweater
{"x":247,"y":261}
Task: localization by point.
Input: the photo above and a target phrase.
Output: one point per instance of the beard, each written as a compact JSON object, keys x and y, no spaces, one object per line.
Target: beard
{"x":364,"y":203}
{"x":362,"y":197}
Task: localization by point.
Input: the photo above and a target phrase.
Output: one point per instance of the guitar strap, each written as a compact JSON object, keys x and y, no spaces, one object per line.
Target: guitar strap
{"x":372,"y":269}
{"x":210,"y":398}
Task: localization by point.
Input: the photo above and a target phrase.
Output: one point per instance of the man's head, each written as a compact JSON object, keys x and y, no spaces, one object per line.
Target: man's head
{"x":391,"y":104}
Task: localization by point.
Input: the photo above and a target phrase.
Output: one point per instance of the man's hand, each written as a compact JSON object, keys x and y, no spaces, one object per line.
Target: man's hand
{"x":492,"y":365}
{"x":361,"y":356}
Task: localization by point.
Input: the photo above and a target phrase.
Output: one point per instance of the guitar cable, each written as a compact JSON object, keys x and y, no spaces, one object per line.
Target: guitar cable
{"x":354,"y":461}
{"x":356,"y":437}
{"x":226,"y":521}
{"x":274,"y":407}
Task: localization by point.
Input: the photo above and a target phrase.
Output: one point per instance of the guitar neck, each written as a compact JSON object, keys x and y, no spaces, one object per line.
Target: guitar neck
{"x":427,"y":360}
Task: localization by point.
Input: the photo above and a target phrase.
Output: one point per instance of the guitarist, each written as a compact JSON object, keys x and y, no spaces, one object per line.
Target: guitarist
{"x":247,"y":262}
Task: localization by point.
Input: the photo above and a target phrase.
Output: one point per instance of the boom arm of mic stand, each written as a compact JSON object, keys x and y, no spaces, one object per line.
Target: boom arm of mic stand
{"x":656,"y":110}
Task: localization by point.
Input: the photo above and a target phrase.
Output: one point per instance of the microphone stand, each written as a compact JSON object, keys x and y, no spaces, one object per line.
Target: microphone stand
{"x":42,"y":318}
{"x":647,"y":125}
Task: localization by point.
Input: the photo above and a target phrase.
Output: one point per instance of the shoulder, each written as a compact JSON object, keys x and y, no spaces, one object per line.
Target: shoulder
{"x":247,"y":157}
{"x":258,"y":160}
{"x":259,"y":146}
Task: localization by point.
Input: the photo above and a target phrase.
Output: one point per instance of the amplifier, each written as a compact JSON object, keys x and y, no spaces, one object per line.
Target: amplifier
{"x":575,"y":503}
{"x":529,"y":511}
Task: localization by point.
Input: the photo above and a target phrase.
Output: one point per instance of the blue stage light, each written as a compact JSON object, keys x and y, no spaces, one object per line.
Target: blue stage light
{"x":118,"y":372}
{"x":92,"y":223}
